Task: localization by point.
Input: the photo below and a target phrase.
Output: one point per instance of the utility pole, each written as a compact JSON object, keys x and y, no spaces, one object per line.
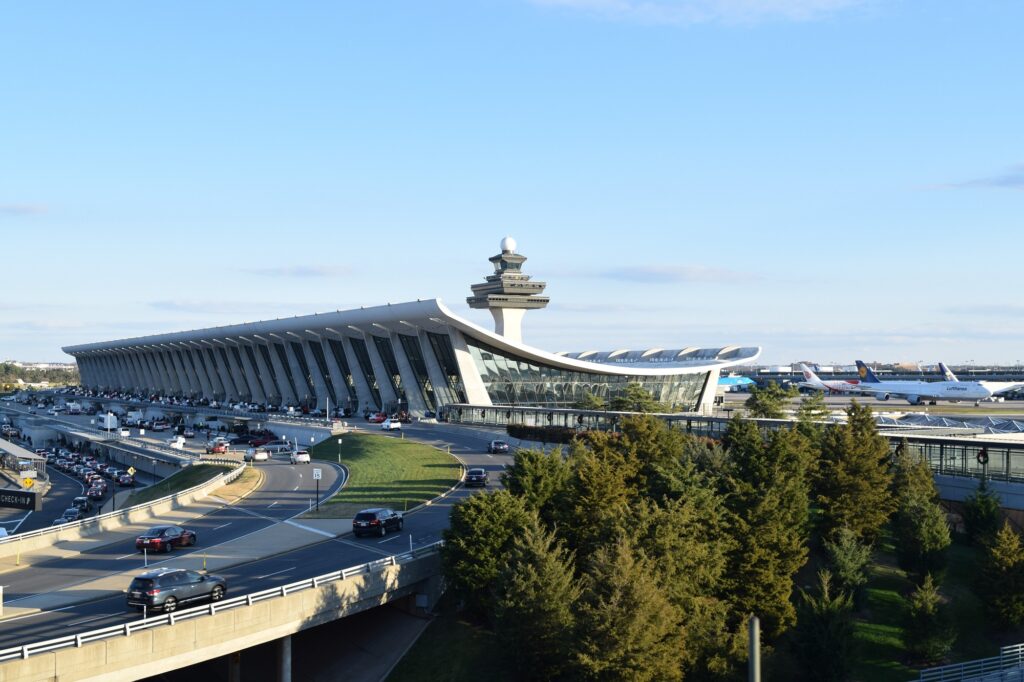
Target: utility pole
{"x":754,"y":650}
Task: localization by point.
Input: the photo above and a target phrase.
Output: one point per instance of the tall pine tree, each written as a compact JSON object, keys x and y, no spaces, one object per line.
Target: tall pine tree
{"x":854,"y":487}
{"x":1001,"y":580}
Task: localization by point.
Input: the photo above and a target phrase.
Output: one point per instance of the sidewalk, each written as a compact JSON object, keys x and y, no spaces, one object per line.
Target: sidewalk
{"x":279,"y":538}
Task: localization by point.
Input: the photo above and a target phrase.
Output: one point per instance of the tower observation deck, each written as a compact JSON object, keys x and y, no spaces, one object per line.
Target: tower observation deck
{"x":508,"y":293}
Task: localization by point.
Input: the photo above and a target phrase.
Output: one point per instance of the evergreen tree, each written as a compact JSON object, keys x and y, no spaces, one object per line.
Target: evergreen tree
{"x":627,"y":627}
{"x":809,"y":417}
{"x":768,"y":402}
{"x":589,"y":401}
{"x":540,"y":479}
{"x":1001,"y":579}
{"x":849,"y":559}
{"x":534,"y":610}
{"x":477,"y":543}
{"x":922,"y":538}
{"x":854,"y":487}
{"x":912,"y":477}
{"x":982,"y":512}
{"x":823,"y":640}
{"x":769,"y":503}
{"x":634,"y":398}
{"x":599,"y":505}
{"x":928,"y":632}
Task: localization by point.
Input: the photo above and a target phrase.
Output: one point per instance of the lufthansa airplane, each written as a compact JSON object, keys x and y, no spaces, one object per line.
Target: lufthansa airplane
{"x":917,"y":392}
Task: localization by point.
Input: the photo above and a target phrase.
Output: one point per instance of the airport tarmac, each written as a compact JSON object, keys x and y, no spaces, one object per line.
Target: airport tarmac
{"x":1009,"y":409}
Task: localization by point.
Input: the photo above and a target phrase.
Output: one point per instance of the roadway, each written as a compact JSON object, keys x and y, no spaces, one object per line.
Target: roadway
{"x":274,"y":502}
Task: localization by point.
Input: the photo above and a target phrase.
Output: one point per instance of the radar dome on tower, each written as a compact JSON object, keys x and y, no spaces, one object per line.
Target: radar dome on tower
{"x":508,"y":245}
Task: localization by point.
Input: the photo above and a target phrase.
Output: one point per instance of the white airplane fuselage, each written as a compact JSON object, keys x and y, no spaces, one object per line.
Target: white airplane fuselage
{"x":915,"y":392}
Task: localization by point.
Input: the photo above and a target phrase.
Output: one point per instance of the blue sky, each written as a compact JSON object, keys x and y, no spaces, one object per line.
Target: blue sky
{"x":829,"y":179}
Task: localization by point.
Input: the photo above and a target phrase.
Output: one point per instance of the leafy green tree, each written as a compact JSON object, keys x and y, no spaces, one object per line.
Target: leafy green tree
{"x":809,"y":417}
{"x":540,"y":479}
{"x":823,"y":640}
{"x":1001,"y":579}
{"x":854,"y":483}
{"x":982,"y":512}
{"x":627,"y":629}
{"x":849,"y":559}
{"x":534,"y":612}
{"x":770,"y":506}
{"x":769,"y":402}
{"x":928,"y":632}
{"x":589,"y":401}
{"x":477,"y":543}
{"x":634,"y":398}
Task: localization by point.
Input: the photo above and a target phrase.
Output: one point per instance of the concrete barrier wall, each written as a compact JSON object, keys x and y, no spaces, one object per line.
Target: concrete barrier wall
{"x":959,"y":488}
{"x":169,"y":647}
{"x":21,"y":544}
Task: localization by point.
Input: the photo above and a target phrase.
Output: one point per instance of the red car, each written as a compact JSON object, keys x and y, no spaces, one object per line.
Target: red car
{"x":165,"y":538}
{"x":377,"y":418}
{"x":217,"y":448}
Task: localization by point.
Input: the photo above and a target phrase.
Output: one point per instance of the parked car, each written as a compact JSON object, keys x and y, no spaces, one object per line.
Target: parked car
{"x":216,"y":448}
{"x":126,"y":480}
{"x":391,"y":425}
{"x":165,"y":588}
{"x":60,"y":521}
{"x":278,"y":446}
{"x":476,"y":477}
{"x":188,"y":433}
{"x":377,"y":418}
{"x":300,"y":457}
{"x":376,"y":521}
{"x":497,"y":447}
{"x":165,"y":538}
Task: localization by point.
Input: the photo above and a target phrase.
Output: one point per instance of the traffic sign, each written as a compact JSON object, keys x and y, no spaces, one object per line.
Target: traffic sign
{"x":131,"y":471}
{"x":317,"y":474}
{"x":28,"y":482}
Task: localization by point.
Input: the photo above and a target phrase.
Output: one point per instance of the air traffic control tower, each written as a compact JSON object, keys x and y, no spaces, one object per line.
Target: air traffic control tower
{"x":508,"y":293}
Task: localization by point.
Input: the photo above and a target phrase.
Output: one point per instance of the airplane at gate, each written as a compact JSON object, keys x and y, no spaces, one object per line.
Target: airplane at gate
{"x":916,"y":392}
{"x":811,"y":380}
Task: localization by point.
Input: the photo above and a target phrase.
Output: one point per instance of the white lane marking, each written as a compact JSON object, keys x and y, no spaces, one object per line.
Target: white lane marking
{"x":393,"y":537}
{"x":310,"y":529}
{"x":368,"y":548}
{"x":39,"y":613}
{"x":283,"y":570}
{"x":295,"y":488}
{"x":491,"y":456}
{"x":126,"y":556}
{"x":250,"y":512}
{"x":89,"y":620}
{"x":216,"y":499}
{"x":221,"y":526}
{"x":271,"y":504}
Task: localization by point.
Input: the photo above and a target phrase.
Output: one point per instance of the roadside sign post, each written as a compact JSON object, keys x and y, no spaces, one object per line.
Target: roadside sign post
{"x":317,"y":474}
{"x":339,"y":451}
{"x":145,"y":557}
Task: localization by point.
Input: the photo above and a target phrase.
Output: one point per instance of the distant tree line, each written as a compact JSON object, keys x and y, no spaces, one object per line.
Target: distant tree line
{"x":10,"y":373}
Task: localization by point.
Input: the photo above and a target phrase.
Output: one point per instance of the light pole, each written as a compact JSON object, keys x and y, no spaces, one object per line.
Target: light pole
{"x":339,"y":451}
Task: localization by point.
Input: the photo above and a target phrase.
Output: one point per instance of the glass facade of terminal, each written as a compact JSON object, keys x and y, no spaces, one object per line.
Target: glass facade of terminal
{"x":514,"y":381}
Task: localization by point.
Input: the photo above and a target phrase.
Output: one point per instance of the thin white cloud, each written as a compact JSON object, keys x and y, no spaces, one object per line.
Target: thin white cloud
{"x":300,"y":271}
{"x":20,"y":210}
{"x":663,"y":274}
{"x":1011,"y":178}
{"x":682,"y":12}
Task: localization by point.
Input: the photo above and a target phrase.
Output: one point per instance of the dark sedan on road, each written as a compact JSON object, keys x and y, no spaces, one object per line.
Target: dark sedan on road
{"x":165,"y":588}
{"x":377,"y":521}
{"x":165,"y":538}
{"x":476,"y":477}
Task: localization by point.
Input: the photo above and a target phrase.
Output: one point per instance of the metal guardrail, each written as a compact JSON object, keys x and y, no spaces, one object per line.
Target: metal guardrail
{"x":218,"y":411}
{"x":1008,"y":665}
{"x":225,"y":478}
{"x":126,"y":629}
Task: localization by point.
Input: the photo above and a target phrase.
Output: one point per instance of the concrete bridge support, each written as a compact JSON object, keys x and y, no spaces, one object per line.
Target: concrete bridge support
{"x":284,"y":659}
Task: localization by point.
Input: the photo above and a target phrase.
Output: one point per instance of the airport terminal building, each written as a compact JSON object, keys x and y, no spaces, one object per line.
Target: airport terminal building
{"x":416,"y":356}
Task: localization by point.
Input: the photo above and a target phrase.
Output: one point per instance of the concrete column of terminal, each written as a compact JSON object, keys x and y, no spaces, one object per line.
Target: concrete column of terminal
{"x":109,"y":376}
{"x":148,"y":381}
{"x":284,"y":659}
{"x":201,"y":354}
{"x":183,"y":377}
{"x":442,"y":391}
{"x":87,"y":364}
{"x":259,"y":393}
{"x":271,"y":388}
{"x":364,"y":394}
{"x":120,"y":373}
{"x":172,"y":374}
{"x":303,"y":391}
{"x":476,"y":392}
{"x":338,"y":375}
{"x":414,"y":391}
{"x":185,"y":361}
{"x":135,"y":381}
{"x":323,"y":394}
{"x":237,"y":375}
{"x":160,"y":384}
{"x":387,"y":391}
{"x":706,"y":400}
{"x":223,"y":371}
{"x":284,"y":383}
{"x":189,"y":355}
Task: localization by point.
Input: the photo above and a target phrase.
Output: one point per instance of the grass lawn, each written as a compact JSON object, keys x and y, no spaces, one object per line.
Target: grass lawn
{"x":183,"y":480}
{"x":385,"y":472}
{"x":473,"y":652}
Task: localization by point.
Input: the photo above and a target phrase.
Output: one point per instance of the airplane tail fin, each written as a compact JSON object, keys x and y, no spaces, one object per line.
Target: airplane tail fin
{"x":809,"y":376}
{"x":865,"y":374}
{"x":20,"y":382}
{"x":947,"y":372}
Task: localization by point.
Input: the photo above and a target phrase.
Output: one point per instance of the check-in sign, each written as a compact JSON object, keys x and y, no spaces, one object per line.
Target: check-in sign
{"x":21,"y":499}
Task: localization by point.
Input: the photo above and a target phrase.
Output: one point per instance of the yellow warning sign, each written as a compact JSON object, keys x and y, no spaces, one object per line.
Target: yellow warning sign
{"x":131,"y":471}
{"x":28,"y":482}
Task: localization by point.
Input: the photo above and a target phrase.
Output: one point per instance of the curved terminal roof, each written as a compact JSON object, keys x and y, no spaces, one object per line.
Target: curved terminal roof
{"x":430,"y":315}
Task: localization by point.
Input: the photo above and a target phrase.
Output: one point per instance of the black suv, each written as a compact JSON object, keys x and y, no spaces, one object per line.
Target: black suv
{"x":376,"y":522}
{"x":165,"y":588}
{"x":477,"y":477}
